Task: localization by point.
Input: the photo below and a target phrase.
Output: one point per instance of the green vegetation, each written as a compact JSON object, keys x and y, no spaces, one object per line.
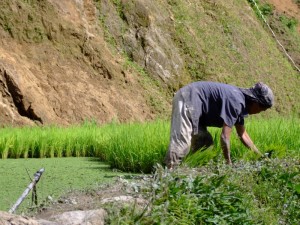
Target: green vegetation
{"x":137,"y":147}
{"x":217,"y":40}
{"x":129,"y":147}
{"x":26,"y":25}
{"x":266,"y":9}
{"x":33,"y":142}
{"x":219,"y":43}
{"x":260,"y":192}
{"x":291,"y":23}
{"x":254,"y":191}
{"x":61,"y":176}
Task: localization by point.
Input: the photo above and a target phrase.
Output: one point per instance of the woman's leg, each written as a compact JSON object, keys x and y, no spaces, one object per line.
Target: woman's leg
{"x":202,"y":140}
{"x":181,"y":132}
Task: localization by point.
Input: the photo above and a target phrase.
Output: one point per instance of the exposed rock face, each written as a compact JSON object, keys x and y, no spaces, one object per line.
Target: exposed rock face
{"x":22,"y":99}
{"x":65,"y":73}
{"x":65,"y":62}
{"x":147,"y":42}
{"x":144,"y":30}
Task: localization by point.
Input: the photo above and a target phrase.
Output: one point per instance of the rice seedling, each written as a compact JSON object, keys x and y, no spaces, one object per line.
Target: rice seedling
{"x":137,"y":147}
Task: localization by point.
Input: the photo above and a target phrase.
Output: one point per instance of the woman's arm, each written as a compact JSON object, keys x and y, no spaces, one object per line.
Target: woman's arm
{"x":245,"y":138}
{"x":225,"y":142}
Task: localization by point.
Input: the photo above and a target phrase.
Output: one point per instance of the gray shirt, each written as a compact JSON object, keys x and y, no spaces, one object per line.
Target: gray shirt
{"x":213,"y":104}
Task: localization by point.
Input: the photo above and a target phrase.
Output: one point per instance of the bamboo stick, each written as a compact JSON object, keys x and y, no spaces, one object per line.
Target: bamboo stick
{"x":35,"y":180}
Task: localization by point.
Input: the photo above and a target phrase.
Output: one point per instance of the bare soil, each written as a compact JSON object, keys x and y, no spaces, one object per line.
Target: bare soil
{"x":56,"y":68}
{"x":288,"y":7}
{"x":122,"y":191}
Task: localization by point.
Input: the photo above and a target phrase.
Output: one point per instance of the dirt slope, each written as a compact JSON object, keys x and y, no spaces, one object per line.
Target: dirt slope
{"x":288,"y":7}
{"x":68,"y":76}
{"x":65,"y":62}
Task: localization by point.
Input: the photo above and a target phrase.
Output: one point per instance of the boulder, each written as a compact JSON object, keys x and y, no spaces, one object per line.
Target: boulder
{"x":89,"y":217}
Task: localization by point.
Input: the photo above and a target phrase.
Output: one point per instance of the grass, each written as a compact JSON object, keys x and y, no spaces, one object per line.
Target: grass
{"x":224,"y":41}
{"x":137,"y":147}
{"x":61,"y":176}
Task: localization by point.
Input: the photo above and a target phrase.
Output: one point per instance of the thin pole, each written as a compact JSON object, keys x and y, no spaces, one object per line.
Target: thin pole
{"x":35,"y":180}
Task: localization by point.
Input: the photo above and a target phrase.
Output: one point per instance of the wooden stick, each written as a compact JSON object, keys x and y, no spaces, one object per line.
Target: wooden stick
{"x":35,"y":180}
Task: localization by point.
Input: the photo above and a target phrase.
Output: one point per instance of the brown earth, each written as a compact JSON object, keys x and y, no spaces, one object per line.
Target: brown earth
{"x":69,"y":77}
{"x":61,"y":64}
{"x":288,"y":7}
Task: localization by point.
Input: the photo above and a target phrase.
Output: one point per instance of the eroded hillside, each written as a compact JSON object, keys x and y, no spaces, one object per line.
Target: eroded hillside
{"x":64,"y":62}
{"x":57,"y":68}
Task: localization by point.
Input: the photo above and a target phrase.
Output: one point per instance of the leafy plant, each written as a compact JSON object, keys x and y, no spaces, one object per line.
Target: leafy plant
{"x":290,"y":23}
{"x":200,"y":200}
{"x":265,"y":9}
{"x":261,"y":192}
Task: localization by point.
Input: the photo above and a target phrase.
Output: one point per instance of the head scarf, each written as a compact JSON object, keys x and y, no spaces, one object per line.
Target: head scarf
{"x":260,"y":93}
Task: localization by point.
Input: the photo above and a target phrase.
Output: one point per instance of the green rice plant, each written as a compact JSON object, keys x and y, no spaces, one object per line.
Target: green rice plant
{"x":6,"y":145}
{"x":68,"y":148}
{"x":137,"y":147}
{"x":202,"y":157}
{"x":277,"y":136}
{"x":52,"y":141}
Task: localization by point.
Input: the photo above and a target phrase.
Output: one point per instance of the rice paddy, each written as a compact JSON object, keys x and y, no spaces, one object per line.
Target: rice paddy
{"x":137,"y":147}
{"x":141,"y":147}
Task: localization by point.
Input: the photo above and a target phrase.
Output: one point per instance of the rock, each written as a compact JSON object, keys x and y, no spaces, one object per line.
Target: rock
{"x":90,"y":217}
{"x":45,"y":82}
{"x":11,"y":219}
{"x":125,"y":199}
{"x":146,"y":40}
